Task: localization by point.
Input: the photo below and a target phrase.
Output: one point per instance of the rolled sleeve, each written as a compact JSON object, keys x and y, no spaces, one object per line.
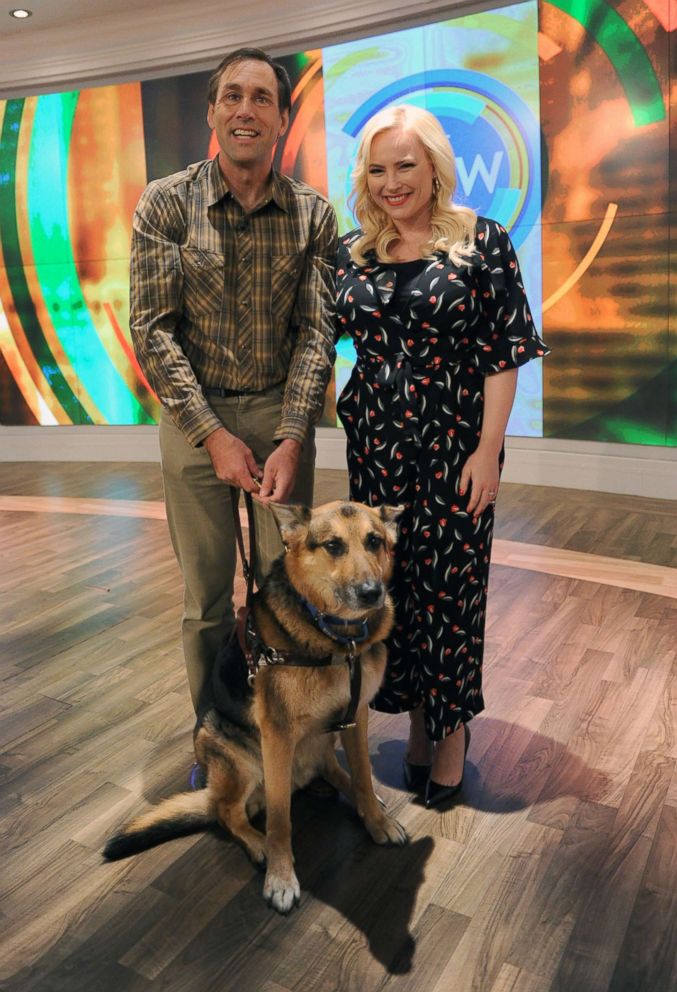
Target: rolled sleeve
{"x":312,"y":322}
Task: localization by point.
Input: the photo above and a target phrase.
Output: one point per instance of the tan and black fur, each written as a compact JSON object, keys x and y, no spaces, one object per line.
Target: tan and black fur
{"x":258,"y":745}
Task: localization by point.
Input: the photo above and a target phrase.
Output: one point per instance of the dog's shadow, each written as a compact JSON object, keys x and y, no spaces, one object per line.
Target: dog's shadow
{"x":375,"y":889}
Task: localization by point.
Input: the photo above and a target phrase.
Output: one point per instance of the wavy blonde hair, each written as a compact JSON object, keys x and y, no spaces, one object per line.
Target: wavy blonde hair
{"x":453,"y":226}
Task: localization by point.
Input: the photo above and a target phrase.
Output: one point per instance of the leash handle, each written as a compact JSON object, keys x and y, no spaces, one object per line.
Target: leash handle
{"x":248,"y":564}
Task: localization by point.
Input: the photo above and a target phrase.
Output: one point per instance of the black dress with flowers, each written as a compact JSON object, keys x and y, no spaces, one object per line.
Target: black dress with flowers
{"x":412,"y":411}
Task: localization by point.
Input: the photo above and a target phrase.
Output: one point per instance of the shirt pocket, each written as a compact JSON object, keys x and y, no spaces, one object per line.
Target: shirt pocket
{"x":285,"y":271}
{"x":203,"y":281}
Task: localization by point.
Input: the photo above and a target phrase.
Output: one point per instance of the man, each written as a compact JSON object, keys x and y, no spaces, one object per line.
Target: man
{"x":232,"y":284}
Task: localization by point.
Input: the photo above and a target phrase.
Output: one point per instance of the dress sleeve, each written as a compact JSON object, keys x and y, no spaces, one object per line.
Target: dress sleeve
{"x":506,"y":335}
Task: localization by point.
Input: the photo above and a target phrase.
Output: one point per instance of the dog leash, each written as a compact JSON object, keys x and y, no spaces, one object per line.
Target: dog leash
{"x":254,"y":649}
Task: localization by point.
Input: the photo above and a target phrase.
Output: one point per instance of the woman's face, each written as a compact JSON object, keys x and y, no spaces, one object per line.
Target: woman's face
{"x":400,"y":177}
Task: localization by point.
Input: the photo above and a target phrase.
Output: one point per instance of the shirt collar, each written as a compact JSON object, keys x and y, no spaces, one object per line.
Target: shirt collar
{"x":217,"y":187}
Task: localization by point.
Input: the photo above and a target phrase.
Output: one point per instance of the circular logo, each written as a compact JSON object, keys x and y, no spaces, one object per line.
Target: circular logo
{"x":494,"y":135}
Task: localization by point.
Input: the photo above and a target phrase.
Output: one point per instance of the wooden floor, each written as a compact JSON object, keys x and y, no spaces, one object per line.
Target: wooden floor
{"x":557,"y":871}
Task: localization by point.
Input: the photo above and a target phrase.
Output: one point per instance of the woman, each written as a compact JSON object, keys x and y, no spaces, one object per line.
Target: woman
{"x":432,"y":296}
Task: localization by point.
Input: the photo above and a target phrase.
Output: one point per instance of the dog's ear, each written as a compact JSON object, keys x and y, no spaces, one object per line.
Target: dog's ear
{"x":390,"y":515}
{"x":292,"y":520}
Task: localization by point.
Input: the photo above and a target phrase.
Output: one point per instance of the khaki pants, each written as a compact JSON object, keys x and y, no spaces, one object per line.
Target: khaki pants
{"x":201,"y":524}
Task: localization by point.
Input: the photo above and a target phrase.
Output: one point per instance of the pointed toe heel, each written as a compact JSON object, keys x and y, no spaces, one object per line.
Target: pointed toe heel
{"x":437,"y":794}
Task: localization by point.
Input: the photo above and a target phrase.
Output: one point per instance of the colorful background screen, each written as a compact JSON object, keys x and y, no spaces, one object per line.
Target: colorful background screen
{"x":558,"y":113}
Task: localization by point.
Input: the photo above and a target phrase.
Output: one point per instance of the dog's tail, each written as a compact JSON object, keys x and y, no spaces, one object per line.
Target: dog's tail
{"x":185,"y":813}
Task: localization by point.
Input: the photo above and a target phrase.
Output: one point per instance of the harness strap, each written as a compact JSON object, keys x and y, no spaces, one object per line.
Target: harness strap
{"x":355,"y":669}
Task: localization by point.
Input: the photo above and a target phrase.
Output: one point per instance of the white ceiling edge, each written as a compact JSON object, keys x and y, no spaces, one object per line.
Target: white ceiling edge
{"x":173,"y":39}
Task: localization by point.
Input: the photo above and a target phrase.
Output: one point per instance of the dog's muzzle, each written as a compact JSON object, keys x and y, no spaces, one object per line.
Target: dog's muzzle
{"x":369,"y":594}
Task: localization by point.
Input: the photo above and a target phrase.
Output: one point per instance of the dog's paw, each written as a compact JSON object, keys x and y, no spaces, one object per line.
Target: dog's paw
{"x":282,"y":894}
{"x":387,"y":830}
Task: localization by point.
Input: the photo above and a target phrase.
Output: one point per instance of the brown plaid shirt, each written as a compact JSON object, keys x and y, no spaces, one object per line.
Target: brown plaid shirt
{"x":224,"y":298}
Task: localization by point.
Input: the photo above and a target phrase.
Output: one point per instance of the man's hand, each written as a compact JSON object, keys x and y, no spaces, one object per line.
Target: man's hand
{"x":233,"y":461}
{"x":279,"y":472}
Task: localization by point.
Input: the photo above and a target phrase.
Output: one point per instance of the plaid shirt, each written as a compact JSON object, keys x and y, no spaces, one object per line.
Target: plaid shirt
{"x":224,"y":298}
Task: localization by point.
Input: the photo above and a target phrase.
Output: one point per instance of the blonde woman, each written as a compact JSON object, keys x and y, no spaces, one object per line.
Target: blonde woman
{"x":433,"y":299}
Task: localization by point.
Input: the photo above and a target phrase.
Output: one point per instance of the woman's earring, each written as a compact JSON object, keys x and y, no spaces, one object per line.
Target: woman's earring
{"x":436,"y":185}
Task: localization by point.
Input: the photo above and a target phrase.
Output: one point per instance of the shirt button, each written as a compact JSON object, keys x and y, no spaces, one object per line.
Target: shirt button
{"x":244,"y":303}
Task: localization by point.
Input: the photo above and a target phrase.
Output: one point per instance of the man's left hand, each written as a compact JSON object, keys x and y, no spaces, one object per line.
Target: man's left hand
{"x":279,"y":472}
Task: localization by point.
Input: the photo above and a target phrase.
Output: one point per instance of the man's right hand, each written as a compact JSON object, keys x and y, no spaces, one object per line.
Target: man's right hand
{"x":233,"y":461}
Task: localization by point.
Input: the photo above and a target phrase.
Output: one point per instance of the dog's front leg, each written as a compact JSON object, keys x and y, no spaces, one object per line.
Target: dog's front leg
{"x":281,"y":889}
{"x":382,"y":828}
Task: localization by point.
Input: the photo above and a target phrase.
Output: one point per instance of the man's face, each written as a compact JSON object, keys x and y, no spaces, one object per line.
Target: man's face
{"x":246,"y":114}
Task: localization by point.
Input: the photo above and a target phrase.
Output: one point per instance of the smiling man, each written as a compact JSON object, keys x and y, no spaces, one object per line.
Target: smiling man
{"x":232,"y":287}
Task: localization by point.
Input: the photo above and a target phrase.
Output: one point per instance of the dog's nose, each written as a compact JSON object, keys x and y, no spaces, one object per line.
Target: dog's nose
{"x":369,"y":592}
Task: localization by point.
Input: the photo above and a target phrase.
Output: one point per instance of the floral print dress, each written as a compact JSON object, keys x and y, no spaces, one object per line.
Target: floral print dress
{"x":412,"y":411}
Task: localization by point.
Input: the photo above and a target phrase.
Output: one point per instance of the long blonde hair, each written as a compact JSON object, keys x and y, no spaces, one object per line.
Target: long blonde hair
{"x":453,"y":226}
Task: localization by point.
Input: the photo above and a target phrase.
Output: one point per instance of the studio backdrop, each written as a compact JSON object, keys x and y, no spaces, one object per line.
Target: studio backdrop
{"x":558,"y":113}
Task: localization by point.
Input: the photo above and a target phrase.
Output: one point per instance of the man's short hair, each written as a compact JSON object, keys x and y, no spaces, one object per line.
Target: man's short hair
{"x":253,"y":55}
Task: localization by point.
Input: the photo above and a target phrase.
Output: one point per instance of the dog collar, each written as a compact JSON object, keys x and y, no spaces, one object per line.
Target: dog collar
{"x":325,"y":622}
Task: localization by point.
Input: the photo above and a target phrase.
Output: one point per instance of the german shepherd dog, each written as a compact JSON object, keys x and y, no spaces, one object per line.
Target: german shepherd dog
{"x":257,"y":743}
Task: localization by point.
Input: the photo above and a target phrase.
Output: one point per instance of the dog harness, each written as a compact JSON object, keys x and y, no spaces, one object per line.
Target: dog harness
{"x":258,"y":654}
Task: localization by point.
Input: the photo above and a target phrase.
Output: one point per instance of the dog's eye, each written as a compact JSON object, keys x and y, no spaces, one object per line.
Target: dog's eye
{"x":335,"y":547}
{"x":373,"y":542}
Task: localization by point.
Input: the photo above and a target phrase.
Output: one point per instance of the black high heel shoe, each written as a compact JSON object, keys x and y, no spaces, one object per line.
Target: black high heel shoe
{"x":415,"y":776}
{"x":436,"y":794}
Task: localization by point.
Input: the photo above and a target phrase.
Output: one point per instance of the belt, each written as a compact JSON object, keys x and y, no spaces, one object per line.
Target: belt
{"x":218,"y":391}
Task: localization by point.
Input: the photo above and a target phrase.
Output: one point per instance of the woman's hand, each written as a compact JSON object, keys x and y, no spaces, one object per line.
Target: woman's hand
{"x":480,"y":472}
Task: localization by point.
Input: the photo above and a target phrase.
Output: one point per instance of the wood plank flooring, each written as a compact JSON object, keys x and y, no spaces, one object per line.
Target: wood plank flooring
{"x":557,"y":872}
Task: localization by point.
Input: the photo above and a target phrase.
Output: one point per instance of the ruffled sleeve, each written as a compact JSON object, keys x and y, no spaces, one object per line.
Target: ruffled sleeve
{"x":506,"y":336}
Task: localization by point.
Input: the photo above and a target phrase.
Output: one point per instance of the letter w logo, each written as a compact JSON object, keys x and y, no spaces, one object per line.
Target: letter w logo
{"x":479,"y":168}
